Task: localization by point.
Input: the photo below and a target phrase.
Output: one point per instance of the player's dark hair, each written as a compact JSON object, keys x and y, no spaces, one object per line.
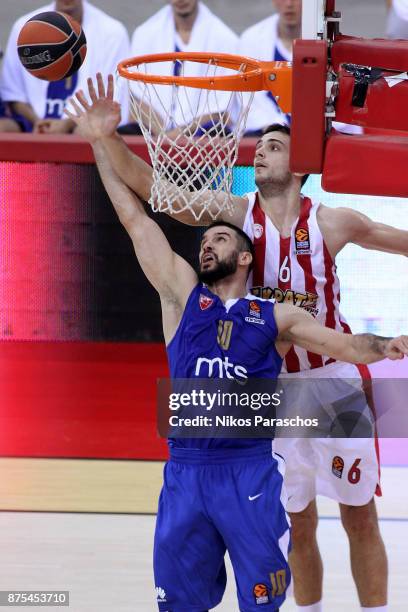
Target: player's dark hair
{"x":284,"y":129}
{"x":244,"y":241}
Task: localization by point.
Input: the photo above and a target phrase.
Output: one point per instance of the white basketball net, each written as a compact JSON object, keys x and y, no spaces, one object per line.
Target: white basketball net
{"x":192,"y":136}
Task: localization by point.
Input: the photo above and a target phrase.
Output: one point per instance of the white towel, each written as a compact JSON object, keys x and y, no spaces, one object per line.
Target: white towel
{"x":401,"y":8}
{"x":158,"y":35}
{"x":260,"y":41}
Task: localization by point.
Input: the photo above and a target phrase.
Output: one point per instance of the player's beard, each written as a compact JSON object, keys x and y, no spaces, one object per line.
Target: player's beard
{"x":268,"y":187}
{"x":221,"y":270}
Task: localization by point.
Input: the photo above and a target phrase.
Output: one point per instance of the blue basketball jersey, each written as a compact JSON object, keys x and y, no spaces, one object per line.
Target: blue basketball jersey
{"x":235,"y":340}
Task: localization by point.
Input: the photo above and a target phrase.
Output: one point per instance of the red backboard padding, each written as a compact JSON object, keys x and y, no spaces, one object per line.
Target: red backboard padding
{"x":308,"y":106}
{"x":366,"y":164}
{"x":385,"y":105}
{"x":80,"y":399}
{"x":376,"y":52}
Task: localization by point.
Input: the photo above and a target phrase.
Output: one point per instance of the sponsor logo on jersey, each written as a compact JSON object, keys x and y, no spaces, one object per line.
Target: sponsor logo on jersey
{"x":205,"y":301}
{"x":302,"y":241}
{"x":219,"y":368}
{"x":161,"y":595}
{"x":258,"y":231}
{"x":305,"y":300}
{"x":253,"y":320}
{"x":338,"y":466}
{"x":261,"y":594}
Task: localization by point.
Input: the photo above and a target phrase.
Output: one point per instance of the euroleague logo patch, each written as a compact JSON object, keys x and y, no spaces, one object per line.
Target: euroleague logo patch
{"x":254,"y":310}
{"x":205,"y":301}
{"x":338,"y":466}
{"x":254,"y":313}
{"x":302,"y":241}
{"x":261,"y":594}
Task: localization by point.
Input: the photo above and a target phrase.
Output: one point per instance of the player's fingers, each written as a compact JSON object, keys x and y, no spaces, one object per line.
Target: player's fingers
{"x":397,"y":349}
{"x":91,"y":90}
{"x":76,"y":106}
{"x":80,"y":96}
{"x":69,"y":114}
{"x":109,"y":92}
{"x":78,"y":110}
{"x":101,"y":85}
{"x":401,"y":344}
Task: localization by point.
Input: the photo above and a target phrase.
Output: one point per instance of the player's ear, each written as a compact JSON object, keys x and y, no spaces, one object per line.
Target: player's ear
{"x":245,"y":258}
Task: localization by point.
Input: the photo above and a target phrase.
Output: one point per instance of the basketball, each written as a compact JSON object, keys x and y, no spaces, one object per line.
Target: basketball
{"x":51,"y":46}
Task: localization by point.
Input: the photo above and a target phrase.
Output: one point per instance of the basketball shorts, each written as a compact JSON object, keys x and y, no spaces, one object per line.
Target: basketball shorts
{"x":344,"y":469}
{"x":211,"y":502}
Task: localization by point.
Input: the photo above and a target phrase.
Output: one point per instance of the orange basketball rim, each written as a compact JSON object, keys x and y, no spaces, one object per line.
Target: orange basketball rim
{"x":251,"y":74}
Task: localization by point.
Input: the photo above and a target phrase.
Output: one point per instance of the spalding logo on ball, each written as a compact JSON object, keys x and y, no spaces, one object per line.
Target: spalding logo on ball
{"x":51,"y":46}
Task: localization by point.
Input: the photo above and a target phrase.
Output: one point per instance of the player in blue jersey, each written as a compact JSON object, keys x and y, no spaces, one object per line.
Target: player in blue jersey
{"x":222,"y":494}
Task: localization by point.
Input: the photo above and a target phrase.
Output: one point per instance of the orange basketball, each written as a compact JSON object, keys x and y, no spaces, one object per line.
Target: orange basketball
{"x":51,"y":46}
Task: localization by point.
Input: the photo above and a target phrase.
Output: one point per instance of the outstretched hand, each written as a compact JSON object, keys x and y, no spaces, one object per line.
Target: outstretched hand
{"x":397,"y":348}
{"x":100,"y":118}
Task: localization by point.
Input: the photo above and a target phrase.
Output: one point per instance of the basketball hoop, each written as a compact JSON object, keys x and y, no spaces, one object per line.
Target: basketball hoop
{"x":193,"y":124}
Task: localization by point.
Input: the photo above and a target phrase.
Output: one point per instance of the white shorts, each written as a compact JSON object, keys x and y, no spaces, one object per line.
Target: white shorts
{"x":344,"y":469}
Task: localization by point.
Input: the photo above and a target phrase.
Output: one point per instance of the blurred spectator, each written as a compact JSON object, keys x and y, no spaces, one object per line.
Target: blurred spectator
{"x":397,"y":20}
{"x":7,"y":124}
{"x":181,"y":25}
{"x":271,"y":40}
{"x":38,"y":105}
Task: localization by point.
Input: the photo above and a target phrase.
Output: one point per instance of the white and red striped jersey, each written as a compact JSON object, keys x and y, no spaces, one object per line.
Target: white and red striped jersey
{"x":298,"y":270}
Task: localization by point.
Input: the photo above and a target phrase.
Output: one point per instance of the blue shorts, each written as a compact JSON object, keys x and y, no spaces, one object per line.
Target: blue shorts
{"x":213,"y":501}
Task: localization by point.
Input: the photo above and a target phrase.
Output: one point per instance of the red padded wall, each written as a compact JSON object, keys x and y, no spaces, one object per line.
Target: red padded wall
{"x":80,"y":399}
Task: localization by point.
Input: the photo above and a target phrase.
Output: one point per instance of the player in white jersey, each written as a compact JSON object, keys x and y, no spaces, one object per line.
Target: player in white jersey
{"x":308,"y":237}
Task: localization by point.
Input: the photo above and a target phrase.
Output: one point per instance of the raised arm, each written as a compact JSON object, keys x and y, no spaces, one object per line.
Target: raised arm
{"x":169,"y":273}
{"x":296,"y":326}
{"x":98,"y":122}
{"x":343,"y":225}
{"x":379,"y":236}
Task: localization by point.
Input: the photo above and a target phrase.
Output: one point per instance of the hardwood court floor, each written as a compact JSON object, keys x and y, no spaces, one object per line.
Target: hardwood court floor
{"x":105,"y":559}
